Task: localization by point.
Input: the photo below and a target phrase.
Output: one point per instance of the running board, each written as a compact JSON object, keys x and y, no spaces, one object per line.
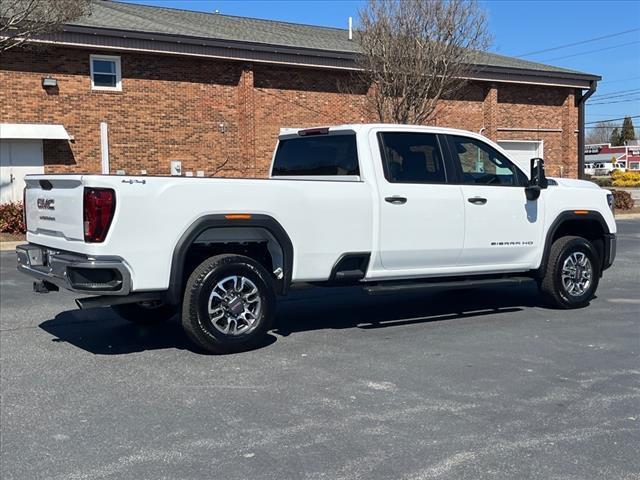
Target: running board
{"x":409,"y":286}
{"x":108,"y":300}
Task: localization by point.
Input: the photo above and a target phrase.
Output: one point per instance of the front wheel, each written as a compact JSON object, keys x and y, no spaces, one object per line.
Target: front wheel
{"x":229,"y":304}
{"x":572,"y":273}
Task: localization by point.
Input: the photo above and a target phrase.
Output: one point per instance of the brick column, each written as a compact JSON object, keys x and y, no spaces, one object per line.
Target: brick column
{"x":569,"y":160}
{"x":246,"y":121}
{"x":491,"y":112}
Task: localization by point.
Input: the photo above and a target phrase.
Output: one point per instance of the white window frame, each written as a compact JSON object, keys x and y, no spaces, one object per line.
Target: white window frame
{"x":109,"y":58}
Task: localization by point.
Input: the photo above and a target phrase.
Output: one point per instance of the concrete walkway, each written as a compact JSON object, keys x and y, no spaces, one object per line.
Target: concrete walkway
{"x":627,"y":216}
{"x":6,"y":246}
{"x":635,"y":193}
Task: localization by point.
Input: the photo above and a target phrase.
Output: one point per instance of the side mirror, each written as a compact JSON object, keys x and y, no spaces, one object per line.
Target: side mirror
{"x":538,"y":179}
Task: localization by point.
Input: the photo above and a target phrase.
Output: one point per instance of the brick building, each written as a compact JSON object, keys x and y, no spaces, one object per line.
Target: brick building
{"x":131,"y":88}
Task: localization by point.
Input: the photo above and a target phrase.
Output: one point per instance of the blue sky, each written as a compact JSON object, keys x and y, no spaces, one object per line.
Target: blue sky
{"x":518,"y":27}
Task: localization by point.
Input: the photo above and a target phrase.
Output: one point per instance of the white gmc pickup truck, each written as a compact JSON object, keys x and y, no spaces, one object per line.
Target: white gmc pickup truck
{"x":387,"y":207}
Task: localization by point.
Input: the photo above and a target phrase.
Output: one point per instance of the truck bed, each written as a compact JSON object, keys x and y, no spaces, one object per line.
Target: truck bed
{"x":327,"y":217}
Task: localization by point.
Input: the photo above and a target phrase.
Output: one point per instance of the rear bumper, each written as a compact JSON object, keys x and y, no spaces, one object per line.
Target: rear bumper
{"x":610,"y":247}
{"x":75,"y":272}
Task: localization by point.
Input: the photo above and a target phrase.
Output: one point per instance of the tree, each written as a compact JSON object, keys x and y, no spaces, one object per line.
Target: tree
{"x":628,"y":132}
{"x":600,"y":133}
{"x":415,"y":52}
{"x":20,"y":20}
{"x":615,"y":139}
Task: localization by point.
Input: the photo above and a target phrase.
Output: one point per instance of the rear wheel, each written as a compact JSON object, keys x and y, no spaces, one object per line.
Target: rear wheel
{"x":572,"y":273}
{"x":229,"y":304}
{"x":145,"y":313}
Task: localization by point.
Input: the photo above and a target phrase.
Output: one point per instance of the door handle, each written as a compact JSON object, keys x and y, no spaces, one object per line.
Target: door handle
{"x":396,"y":200}
{"x":477,"y":200}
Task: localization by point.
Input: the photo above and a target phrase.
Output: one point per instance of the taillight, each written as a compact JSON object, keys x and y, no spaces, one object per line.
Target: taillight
{"x":99,"y":207}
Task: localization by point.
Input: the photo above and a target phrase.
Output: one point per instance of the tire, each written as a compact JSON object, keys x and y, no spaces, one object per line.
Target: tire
{"x":558,"y":293}
{"x":223,"y":315}
{"x":145,"y":313}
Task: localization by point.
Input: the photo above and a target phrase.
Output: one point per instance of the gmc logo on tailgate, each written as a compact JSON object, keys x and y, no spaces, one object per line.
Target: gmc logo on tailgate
{"x":46,"y":204}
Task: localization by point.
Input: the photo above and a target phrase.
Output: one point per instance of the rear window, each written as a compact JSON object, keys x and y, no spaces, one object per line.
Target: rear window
{"x":333,"y":154}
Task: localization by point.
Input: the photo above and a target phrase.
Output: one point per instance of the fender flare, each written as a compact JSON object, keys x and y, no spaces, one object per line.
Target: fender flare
{"x":565,"y":216}
{"x":266,"y":222}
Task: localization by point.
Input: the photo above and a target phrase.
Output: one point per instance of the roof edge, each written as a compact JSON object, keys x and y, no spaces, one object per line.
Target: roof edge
{"x":339,"y":60}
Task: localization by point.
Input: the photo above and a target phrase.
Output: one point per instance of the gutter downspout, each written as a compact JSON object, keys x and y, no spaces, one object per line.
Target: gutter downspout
{"x":581,"y":125}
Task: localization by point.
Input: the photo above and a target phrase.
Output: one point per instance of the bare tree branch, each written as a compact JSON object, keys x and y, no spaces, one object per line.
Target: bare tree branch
{"x":601,"y":133}
{"x":220,"y":167}
{"x":20,"y":20}
{"x":415,"y":52}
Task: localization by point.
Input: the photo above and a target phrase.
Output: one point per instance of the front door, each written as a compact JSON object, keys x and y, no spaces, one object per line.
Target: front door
{"x":503,"y":230}
{"x":421,"y":215}
{"x":17,"y":159}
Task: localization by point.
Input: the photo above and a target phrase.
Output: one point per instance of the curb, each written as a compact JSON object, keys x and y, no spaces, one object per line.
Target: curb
{"x":627,"y":216}
{"x":9,"y":246}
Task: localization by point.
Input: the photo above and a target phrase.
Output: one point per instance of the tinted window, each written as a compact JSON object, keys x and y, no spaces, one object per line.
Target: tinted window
{"x":412,"y":158}
{"x":483,"y":165}
{"x":317,"y":155}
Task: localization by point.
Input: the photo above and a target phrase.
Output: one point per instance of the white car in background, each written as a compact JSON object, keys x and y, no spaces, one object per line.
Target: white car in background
{"x":603,"y":169}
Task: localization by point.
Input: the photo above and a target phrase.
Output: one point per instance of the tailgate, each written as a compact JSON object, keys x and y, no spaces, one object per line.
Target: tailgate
{"x":53,"y":206}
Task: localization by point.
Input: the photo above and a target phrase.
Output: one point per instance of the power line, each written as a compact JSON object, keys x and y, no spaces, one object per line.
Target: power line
{"x":626,"y":100}
{"x":592,"y":51}
{"x":620,"y":96}
{"x":616,"y":93}
{"x":613,"y":119}
{"x":626,"y":96}
{"x":616,"y":100}
{"x":578,"y":43}
{"x":599,"y":116}
{"x":609,"y":126}
{"x":619,"y":80}
{"x":632,"y":97}
{"x":598,"y":119}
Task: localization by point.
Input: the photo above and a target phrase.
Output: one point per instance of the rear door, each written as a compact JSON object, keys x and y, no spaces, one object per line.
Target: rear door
{"x":503,"y":230}
{"x":421,"y":215}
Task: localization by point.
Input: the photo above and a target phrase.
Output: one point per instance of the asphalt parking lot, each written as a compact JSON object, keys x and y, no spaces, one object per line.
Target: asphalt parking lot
{"x":466,"y":384}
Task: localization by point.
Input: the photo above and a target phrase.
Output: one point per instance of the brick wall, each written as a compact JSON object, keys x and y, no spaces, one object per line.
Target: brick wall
{"x":224,"y":116}
{"x":542,"y":113}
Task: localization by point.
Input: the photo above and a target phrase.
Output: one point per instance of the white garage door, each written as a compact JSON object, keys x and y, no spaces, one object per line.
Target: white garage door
{"x":17,"y":159}
{"x":522,"y":151}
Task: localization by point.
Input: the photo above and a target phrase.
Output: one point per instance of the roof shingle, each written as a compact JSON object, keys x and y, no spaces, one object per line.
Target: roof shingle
{"x":167,"y":21}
